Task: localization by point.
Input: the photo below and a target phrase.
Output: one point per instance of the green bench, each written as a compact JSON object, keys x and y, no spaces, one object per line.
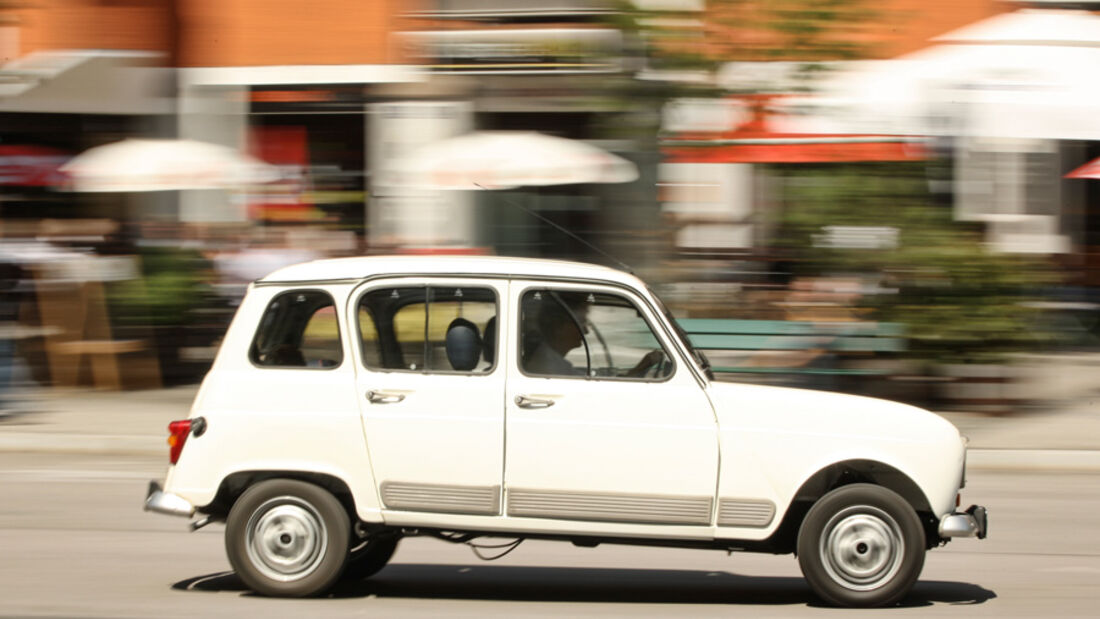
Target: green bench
{"x":839,"y":339}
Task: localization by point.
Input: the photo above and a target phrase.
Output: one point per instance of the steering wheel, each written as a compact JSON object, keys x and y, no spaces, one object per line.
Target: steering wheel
{"x":603,"y":344}
{"x":658,"y":369}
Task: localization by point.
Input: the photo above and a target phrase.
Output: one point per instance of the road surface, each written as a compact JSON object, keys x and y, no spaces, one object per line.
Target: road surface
{"x":74,"y":542}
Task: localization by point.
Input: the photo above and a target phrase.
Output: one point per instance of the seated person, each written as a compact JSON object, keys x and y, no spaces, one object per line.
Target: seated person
{"x":559,"y":334}
{"x":285,"y":355}
{"x":560,"y":325}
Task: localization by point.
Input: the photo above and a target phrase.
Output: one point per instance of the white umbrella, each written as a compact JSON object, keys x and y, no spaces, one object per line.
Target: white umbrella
{"x":504,"y":160}
{"x":164,"y":165}
{"x":1025,"y":74}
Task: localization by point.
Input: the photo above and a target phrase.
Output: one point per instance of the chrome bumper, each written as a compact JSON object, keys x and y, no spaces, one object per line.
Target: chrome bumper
{"x":157,"y":500}
{"x":971,"y":523}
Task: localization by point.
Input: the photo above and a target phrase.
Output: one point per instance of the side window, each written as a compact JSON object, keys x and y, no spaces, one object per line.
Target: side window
{"x":298,"y":329}
{"x":457,"y":321}
{"x":594,"y":334}
{"x":429,"y":329}
{"x":371,"y":344}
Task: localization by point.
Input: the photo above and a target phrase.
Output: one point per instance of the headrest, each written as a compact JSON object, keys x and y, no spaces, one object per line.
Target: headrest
{"x":490,"y":340}
{"x":463,"y":343}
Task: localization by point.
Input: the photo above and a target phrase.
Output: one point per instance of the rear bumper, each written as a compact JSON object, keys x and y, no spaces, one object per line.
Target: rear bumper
{"x":972,"y":523}
{"x":157,"y":500}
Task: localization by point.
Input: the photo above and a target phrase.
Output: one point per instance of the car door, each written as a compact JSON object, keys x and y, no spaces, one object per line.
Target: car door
{"x":431,"y":392}
{"x":592,"y":434}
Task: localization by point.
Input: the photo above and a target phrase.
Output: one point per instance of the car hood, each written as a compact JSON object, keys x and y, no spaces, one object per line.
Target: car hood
{"x":804,"y":411}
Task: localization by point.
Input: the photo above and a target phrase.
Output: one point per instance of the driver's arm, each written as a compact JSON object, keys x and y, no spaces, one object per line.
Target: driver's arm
{"x":649,"y":360}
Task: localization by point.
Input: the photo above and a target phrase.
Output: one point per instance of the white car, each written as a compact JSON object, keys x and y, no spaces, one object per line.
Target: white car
{"x":357,"y":401}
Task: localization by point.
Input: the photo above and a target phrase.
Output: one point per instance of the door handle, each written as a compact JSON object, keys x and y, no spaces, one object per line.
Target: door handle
{"x":524,"y":401}
{"x":383,"y":397}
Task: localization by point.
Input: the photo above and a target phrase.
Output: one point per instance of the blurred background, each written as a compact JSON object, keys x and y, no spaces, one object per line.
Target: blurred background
{"x":898,"y":198}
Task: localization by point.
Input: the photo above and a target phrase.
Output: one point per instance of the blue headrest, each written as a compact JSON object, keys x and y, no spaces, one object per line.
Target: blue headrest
{"x":463,"y":344}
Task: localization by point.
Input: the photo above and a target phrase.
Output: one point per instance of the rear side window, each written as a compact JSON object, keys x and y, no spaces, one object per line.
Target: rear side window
{"x":299,"y":329}
{"x":429,"y":329}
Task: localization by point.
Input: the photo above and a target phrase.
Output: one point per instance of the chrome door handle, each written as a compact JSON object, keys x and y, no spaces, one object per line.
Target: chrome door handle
{"x":524,"y":401}
{"x":382,"y":397}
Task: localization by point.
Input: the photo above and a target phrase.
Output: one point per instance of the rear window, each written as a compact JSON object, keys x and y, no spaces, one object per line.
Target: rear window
{"x":299,"y":329}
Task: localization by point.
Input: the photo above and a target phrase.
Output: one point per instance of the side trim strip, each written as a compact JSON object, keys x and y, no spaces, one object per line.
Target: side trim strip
{"x":405,"y":496}
{"x":756,"y":513}
{"x":655,"y":509}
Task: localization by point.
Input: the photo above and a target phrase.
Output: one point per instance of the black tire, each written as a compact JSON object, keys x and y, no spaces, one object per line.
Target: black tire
{"x":861,"y":545}
{"x":287,"y":538}
{"x":368,"y":558}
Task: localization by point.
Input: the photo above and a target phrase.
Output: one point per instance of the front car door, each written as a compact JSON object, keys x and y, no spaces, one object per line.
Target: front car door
{"x":605,"y":422}
{"x":431,"y":390}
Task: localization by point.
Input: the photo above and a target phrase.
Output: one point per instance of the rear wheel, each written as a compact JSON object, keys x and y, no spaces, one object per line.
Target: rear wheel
{"x":861,"y":545}
{"x":368,"y":558}
{"x":287,"y":538}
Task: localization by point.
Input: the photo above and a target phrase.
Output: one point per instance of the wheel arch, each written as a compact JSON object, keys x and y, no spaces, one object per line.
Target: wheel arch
{"x":847,"y":472}
{"x":234,"y":484}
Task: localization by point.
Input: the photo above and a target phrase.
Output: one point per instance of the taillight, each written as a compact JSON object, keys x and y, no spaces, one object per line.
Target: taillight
{"x":177,"y":436}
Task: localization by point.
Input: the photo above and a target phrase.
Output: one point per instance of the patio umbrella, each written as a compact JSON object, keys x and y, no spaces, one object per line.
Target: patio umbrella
{"x":1089,"y":170}
{"x":164,"y":165}
{"x":1024,"y":74}
{"x":505,"y":160}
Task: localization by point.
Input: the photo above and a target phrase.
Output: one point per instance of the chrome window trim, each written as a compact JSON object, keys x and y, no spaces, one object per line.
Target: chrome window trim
{"x":363,"y":287}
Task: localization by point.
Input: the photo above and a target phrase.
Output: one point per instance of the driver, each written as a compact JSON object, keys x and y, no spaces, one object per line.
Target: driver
{"x":558,"y":321}
{"x":559,"y":334}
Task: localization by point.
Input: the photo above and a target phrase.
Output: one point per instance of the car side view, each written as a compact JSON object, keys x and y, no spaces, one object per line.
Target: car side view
{"x":357,"y":401}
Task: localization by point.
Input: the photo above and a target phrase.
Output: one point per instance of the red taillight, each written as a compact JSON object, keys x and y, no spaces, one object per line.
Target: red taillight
{"x":177,"y":436}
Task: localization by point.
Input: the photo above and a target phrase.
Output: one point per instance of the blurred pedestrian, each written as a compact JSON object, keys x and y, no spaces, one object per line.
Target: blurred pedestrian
{"x":10,"y":277}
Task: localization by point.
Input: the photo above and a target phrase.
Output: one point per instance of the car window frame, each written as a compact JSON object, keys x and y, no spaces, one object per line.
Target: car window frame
{"x":427,"y":284}
{"x":639,"y":304}
{"x":252,"y":346}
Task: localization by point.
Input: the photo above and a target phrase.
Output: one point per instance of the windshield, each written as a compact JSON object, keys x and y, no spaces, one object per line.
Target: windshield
{"x":682,"y":335}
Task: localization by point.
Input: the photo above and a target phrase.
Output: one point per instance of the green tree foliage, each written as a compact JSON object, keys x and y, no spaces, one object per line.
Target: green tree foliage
{"x":171,"y":286}
{"x":958,"y":300}
{"x":815,"y":30}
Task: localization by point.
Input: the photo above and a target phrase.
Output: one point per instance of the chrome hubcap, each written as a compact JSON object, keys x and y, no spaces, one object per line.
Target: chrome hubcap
{"x":286,"y":539}
{"x":862,"y":548}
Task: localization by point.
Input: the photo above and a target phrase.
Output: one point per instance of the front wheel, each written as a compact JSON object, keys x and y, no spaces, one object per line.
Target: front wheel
{"x":287,"y":538}
{"x":861,"y":545}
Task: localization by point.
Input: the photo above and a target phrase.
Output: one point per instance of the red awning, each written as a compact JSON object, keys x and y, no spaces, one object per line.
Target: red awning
{"x":794,"y":149}
{"x":756,"y":141}
{"x":27,"y":165}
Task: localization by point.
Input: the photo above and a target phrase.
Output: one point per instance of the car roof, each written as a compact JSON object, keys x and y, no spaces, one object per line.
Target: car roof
{"x":362,"y":267}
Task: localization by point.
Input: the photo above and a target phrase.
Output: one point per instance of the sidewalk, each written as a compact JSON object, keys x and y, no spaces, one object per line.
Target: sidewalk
{"x":89,"y":421}
{"x":1062,"y":436}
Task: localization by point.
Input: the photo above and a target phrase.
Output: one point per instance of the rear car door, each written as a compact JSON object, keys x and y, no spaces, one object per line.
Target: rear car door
{"x":431,"y":392}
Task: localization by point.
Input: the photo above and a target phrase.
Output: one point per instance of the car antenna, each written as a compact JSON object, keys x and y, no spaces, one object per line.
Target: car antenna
{"x":619,"y":263}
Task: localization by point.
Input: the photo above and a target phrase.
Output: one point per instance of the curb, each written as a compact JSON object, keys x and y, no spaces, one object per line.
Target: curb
{"x":1020,"y":460}
{"x":1024,"y":460}
{"x":58,"y":442}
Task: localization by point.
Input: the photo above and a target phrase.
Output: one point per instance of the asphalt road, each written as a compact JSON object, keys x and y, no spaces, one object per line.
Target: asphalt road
{"x":74,"y":542}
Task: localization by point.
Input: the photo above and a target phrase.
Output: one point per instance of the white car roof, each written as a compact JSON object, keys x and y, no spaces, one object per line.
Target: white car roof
{"x":370,"y":266}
